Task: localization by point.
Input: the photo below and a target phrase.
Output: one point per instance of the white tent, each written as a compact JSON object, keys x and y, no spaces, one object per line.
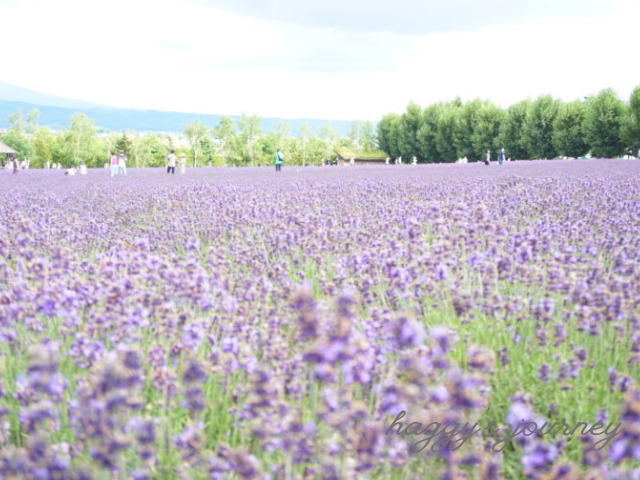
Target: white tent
{"x":4,"y":148}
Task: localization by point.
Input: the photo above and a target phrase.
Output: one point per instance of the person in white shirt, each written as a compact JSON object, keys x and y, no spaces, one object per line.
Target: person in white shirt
{"x":122,"y":163}
{"x":171,"y":162}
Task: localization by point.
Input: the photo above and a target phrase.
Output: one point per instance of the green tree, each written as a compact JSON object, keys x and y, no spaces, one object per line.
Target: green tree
{"x":142,"y":148}
{"x":148,"y":150}
{"x":464,"y":127}
{"x":355,"y":134}
{"x":511,"y":130}
{"x":195,"y":131}
{"x":137,"y":149}
{"x":630,"y":127}
{"x":362,"y":135}
{"x":369,"y":140}
{"x":410,"y":123}
{"x":476,"y":128}
{"x":317,"y":150}
{"x":444,"y":133}
{"x":427,"y":133}
{"x":388,"y":134}
{"x":304,"y":135}
{"x":43,"y":142}
{"x":291,"y":150}
{"x":226,"y":137}
{"x":108,"y":145}
{"x":265,"y":149}
{"x":151,"y":150}
{"x":568,"y":130}
{"x":250,"y":132}
{"x":170,"y":143}
{"x":487,"y":128}
{"x":537,"y":130}
{"x":605,"y":112}
{"x":208,"y":149}
{"x":81,"y":142}
{"x":58,"y":149}
{"x":17,"y":138}
{"x":125,"y":144}
{"x":330,"y":137}
{"x":32,"y":122}
{"x":279,"y":132}
{"x":343,"y":142}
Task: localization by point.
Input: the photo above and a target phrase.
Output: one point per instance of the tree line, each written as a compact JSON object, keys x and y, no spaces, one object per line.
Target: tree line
{"x":229,"y":143}
{"x":602,"y":125}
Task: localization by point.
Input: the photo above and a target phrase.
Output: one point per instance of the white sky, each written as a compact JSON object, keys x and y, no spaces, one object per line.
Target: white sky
{"x":334,"y":59}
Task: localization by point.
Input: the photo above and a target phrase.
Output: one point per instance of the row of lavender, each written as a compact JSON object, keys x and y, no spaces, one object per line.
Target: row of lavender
{"x":237,"y":325}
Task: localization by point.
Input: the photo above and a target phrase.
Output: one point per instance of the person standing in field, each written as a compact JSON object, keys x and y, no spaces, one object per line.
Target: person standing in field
{"x":501,"y":156}
{"x":14,"y":162}
{"x":122,"y":163}
{"x":171,"y":162}
{"x":114,"y":164}
{"x":487,"y":157}
{"x":279,"y":159}
{"x":183,"y":164}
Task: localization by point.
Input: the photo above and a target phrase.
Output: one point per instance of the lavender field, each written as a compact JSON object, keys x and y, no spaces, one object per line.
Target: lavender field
{"x":238,"y":324}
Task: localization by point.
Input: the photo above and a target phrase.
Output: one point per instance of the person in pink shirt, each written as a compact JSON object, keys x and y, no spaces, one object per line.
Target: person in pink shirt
{"x":114,"y":164}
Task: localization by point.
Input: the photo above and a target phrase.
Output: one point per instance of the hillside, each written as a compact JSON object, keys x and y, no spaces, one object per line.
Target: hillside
{"x":55,"y":112}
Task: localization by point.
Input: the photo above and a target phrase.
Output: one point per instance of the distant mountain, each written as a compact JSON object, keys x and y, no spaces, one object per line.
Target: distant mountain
{"x":14,"y":93}
{"x":55,"y":113}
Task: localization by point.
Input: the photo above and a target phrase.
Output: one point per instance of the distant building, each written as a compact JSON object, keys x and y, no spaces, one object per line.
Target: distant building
{"x":5,"y":151}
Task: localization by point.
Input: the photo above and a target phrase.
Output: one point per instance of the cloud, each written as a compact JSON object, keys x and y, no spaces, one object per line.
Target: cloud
{"x":414,"y":17}
{"x":332,"y":61}
{"x":167,"y":45}
{"x":318,"y":50}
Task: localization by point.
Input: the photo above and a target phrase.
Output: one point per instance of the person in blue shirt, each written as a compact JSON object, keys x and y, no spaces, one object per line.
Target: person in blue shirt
{"x":501,"y":156}
{"x":279,"y":159}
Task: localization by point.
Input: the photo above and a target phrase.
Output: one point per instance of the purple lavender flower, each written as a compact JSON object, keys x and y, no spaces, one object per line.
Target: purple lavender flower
{"x":538,"y":456}
{"x":34,"y":415}
{"x":308,"y":321}
{"x":408,"y":333}
{"x":503,"y":354}
{"x":144,"y":430}
{"x":543,"y":373}
{"x":194,"y":400}
{"x":443,"y":338}
{"x":193,"y":372}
